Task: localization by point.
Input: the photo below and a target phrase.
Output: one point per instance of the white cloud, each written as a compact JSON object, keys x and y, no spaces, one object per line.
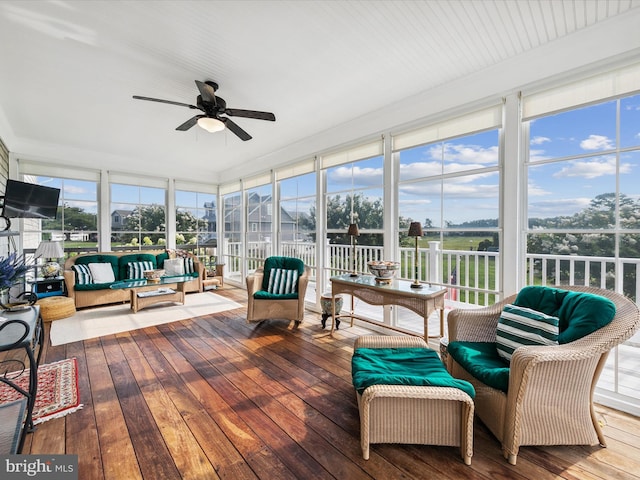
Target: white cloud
{"x":360,"y":176}
{"x":560,"y":206}
{"x":590,"y":169}
{"x":474,"y":155}
{"x":420,"y":170}
{"x":459,"y":190}
{"x":537,"y":155}
{"x":539,"y":140}
{"x":536,"y":190}
{"x":74,"y":189}
{"x":596,"y":142}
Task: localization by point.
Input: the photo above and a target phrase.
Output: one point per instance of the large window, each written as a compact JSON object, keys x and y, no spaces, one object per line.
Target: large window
{"x":260,"y":218}
{"x":233,"y":244}
{"x":76,"y":223}
{"x":138,"y":217}
{"x":354,"y":194}
{"x":584,"y":198}
{"x":298,"y":219}
{"x":452,"y":187}
{"x":196,"y":224}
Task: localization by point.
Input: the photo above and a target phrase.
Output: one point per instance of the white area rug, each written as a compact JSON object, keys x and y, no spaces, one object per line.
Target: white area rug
{"x":100,"y":321}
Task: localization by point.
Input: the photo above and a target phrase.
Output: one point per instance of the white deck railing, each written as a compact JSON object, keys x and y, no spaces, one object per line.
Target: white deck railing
{"x":471,"y":275}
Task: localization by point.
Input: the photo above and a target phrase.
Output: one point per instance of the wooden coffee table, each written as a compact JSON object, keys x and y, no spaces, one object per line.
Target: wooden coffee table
{"x":145,"y":293}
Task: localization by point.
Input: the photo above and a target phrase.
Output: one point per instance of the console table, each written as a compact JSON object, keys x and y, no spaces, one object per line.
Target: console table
{"x":422,"y":301}
{"x":22,"y":329}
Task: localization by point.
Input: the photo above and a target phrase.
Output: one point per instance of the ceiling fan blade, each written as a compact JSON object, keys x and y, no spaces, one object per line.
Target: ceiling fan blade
{"x":235,"y":128}
{"x":234,"y":112}
{"x":207,"y":92}
{"x":138,"y":97}
{"x":189,"y":123}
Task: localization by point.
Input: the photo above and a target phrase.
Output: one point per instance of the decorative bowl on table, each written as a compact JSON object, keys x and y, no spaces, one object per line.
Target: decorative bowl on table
{"x":153,"y":275}
{"x":383,"y":271}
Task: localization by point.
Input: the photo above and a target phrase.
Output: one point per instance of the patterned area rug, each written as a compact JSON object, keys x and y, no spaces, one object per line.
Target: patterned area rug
{"x":57,"y":390}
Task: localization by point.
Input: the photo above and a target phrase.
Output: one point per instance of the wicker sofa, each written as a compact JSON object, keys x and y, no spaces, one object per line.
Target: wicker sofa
{"x":93,"y":294}
{"x":544,"y":396}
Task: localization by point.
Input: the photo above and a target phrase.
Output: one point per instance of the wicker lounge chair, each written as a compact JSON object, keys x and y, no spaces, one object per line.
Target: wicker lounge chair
{"x":549,"y":400}
{"x":264,"y":305}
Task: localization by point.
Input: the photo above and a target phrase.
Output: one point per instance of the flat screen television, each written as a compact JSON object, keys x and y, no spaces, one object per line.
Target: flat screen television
{"x":28,"y":200}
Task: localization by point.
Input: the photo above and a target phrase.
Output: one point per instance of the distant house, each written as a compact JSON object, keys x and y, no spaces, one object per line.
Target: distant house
{"x":259,"y":219}
{"x":118,"y":219}
{"x":210,"y":218}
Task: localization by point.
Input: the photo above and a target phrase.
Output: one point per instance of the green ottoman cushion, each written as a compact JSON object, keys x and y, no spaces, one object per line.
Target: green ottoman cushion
{"x":402,"y":366}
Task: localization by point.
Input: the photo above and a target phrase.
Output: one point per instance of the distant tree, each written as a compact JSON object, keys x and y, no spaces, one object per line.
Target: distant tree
{"x":366,"y":213}
{"x":147,"y":218}
{"x":75,"y":220}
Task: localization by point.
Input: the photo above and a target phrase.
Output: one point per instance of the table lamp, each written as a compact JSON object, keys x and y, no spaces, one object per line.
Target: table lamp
{"x":50,"y":252}
{"x":415,"y":230}
{"x":353,"y":233}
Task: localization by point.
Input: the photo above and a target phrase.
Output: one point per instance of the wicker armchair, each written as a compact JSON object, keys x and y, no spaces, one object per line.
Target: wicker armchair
{"x":263,"y":305}
{"x":550,"y":392}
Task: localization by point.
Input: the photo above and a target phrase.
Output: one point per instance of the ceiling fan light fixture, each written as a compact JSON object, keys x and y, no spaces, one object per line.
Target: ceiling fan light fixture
{"x":211,"y":124}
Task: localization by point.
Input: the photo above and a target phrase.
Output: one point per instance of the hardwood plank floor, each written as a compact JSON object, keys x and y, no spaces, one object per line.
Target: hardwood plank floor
{"x":213,"y":397}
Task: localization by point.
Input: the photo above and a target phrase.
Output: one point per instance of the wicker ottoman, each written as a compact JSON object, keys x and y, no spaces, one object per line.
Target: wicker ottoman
{"x":55,"y":308}
{"x":425,"y":415}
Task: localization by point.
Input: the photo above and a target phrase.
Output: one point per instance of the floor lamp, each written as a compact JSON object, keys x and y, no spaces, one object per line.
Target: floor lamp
{"x":415,"y":230}
{"x":353,"y":233}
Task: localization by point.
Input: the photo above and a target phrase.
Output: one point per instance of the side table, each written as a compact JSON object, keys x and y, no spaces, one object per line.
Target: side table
{"x":47,"y":287}
{"x":23,"y":329}
{"x":213,"y":278}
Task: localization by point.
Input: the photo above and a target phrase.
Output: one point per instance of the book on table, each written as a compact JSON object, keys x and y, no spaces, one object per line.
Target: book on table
{"x":153,"y":293}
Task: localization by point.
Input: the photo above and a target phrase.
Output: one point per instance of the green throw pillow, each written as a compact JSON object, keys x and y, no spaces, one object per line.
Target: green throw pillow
{"x":520,"y":326}
{"x":135,"y":269}
{"x":282,"y":281}
{"x":83,"y":274}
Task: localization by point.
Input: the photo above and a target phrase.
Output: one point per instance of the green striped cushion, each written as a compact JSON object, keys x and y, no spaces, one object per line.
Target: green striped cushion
{"x":520,"y":326}
{"x":282,"y":281}
{"x":83,"y":274}
{"x":135,"y":269}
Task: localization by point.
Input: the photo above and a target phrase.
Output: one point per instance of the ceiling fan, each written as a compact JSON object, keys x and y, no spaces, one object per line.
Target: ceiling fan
{"x":213,"y":107}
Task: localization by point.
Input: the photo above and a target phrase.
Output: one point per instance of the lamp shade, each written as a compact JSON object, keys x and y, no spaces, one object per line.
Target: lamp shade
{"x":211,"y":124}
{"x":49,"y":249}
{"x":415,"y":229}
{"x":353,"y":230}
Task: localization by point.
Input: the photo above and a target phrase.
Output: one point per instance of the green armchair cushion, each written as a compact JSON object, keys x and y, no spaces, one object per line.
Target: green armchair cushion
{"x":402,"y":366}
{"x":286,"y":263}
{"x":481,"y":360}
{"x":580,"y":313}
{"x":264,"y":295}
{"x":282,"y":263}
